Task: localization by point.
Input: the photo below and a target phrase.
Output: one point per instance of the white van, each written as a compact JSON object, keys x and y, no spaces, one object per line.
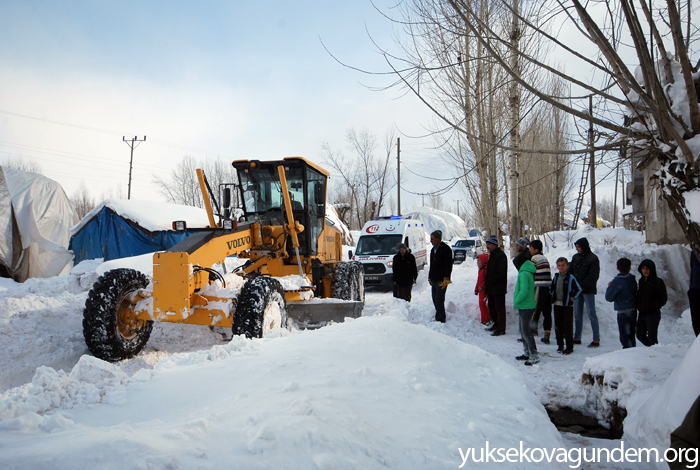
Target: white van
{"x":379,"y":241}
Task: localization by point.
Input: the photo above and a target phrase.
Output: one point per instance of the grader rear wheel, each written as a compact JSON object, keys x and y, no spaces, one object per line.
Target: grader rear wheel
{"x":110,"y":327}
{"x":260,"y":308}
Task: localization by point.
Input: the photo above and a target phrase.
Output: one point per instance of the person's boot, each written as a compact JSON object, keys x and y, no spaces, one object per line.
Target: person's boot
{"x":545,"y":338}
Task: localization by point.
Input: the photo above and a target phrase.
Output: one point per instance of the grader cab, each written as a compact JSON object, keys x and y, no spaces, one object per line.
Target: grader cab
{"x":292,"y":254}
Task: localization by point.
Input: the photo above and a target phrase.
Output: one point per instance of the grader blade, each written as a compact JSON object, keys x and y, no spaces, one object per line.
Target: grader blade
{"x":317,"y":313}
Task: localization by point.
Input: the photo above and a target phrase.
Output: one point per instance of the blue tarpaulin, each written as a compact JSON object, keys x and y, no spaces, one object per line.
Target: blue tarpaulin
{"x":110,"y":236}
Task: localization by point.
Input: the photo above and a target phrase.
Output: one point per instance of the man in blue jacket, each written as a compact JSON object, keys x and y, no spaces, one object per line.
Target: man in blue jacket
{"x":622,"y":291}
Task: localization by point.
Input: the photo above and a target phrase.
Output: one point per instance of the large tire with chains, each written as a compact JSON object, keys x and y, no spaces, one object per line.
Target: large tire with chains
{"x":348,"y":282}
{"x":260,"y":308}
{"x":111,"y":332}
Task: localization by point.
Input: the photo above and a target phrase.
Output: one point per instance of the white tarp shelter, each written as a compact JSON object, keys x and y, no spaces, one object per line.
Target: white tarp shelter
{"x":35,"y":221}
{"x":451,"y":225}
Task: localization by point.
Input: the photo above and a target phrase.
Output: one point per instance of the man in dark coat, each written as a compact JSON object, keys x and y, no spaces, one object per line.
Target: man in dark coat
{"x":651,"y":296}
{"x":440,"y":273}
{"x":496,"y":286}
{"x":694,"y":292}
{"x":585,"y":267}
{"x":405,"y":273}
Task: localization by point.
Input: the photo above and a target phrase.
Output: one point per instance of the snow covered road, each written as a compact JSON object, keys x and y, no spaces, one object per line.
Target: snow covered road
{"x":393,"y":389}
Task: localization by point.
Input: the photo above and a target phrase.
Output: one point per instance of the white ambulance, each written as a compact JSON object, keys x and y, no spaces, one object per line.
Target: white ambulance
{"x":379,"y":241}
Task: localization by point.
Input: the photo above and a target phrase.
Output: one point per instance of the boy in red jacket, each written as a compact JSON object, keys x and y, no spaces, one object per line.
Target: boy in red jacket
{"x":482,"y":261}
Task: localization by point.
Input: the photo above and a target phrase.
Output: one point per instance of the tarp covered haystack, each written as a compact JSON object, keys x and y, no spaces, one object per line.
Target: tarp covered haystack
{"x":119,"y":228}
{"x":35,"y":221}
{"x":448,"y":223}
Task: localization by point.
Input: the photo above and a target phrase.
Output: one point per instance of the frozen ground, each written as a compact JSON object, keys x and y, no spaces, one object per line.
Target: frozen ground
{"x":392,"y":389}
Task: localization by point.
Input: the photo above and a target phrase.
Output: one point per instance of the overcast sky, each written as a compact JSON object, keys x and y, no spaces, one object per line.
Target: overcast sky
{"x":235,"y":80}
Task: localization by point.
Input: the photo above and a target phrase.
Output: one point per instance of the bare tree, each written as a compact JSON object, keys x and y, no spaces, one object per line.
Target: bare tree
{"x":365,"y":175}
{"x":82,"y":201}
{"x":479,"y":105}
{"x":19,"y":163}
{"x":182,"y":187}
{"x":113,"y":192}
{"x":656,"y":90}
{"x":659,"y":98}
{"x":435,"y":201}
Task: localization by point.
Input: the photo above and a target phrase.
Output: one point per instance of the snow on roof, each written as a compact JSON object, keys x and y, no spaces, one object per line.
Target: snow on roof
{"x":150,"y":215}
{"x":451,"y":225}
{"x":332,"y":215}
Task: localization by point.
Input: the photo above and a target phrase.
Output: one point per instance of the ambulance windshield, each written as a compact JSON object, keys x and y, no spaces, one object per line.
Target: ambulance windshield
{"x":378,"y":245}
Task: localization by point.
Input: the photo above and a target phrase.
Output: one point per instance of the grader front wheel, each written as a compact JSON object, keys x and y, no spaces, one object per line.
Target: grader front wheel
{"x":112,"y":331}
{"x":348,"y":281}
{"x":260,"y":308}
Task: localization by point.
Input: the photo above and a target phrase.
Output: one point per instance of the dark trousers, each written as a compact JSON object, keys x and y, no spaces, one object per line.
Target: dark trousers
{"x":626,"y":324}
{"x":648,"y":328}
{"x":564,"y":325}
{"x":497,"y":308}
{"x":403,"y":292}
{"x":544,"y":308}
{"x":439,"y":301}
{"x":694,"y":299}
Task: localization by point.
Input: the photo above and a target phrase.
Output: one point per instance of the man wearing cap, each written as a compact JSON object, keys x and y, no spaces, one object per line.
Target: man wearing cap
{"x":496,"y":285}
{"x":523,"y":247}
{"x":440,"y":272}
{"x":405,"y":273}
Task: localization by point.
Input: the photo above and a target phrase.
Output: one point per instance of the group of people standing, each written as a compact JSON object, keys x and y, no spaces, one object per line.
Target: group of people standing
{"x":638,"y":306}
{"x":568,"y":293}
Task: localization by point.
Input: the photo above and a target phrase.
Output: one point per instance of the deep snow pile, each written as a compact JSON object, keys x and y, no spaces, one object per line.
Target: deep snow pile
{"x":370,"y":393}
{"x":655,"y":412}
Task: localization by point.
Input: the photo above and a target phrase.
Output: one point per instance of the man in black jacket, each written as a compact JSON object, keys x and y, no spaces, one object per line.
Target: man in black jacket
{"x":440,"y":272}
{"x":651,"y":296}
{"x":405,"y":273}
{"x":496,"y":285}
{"x":585,"y":267}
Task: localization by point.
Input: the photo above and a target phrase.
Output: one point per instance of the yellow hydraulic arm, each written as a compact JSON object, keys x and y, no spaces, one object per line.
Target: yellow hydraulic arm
{"x":294,"y":228}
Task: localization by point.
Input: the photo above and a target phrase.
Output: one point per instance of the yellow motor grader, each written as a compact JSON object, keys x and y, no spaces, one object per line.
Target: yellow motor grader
{"x":283,"y":231}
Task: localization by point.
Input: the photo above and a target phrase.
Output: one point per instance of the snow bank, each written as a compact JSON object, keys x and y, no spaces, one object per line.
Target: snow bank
{"x":370,"y":393}
{"x":611,"y":379}
{"x":654,"y":413}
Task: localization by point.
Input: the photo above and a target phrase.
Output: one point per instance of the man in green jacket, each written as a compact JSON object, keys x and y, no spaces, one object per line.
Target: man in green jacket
{"x":524,"y":301}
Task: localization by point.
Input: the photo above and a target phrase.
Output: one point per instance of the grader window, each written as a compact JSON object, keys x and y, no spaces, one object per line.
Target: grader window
{"x":262,"y":190}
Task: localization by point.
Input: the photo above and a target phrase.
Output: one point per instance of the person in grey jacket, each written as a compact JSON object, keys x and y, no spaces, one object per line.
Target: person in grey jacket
{"x":622,"y":291}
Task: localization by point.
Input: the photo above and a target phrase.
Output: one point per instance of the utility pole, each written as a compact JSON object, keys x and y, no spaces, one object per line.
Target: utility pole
{"x":130,"y":143}
{"x":457,"y":201}
{"x":398,"y":172}
{"x":594,"y":215}
{"x":617,"y":178}
{"x":422,"y":198}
